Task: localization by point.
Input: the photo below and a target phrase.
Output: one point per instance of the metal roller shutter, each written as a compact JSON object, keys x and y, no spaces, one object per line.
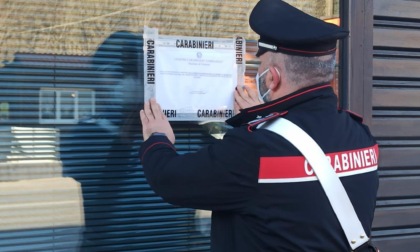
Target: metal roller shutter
{"x":396,"y":124}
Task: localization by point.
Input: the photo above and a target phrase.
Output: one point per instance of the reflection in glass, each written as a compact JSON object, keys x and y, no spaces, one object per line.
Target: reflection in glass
{"x":86,"y":104}
{"x":67,"y":104}
{"x":48,"y":102}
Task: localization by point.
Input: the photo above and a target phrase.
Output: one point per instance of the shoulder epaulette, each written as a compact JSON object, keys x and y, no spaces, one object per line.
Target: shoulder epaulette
{"x":254,"y":123}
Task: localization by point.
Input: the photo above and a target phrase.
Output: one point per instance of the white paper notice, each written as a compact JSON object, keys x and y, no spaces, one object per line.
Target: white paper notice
{"x":193,"y":78}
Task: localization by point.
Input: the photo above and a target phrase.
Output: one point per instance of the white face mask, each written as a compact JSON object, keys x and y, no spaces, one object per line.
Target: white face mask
{"x":261,"y":87}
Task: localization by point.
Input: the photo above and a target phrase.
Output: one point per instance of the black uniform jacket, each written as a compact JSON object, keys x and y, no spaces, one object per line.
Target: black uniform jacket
{"x":263,"y":195}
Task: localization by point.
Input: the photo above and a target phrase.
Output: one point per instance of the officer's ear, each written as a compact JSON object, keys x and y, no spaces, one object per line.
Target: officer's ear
{"x":275,"y":79}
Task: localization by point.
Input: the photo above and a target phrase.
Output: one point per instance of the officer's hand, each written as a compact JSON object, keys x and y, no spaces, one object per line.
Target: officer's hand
{"x":245,"y":97}
{"x":153,"y":120}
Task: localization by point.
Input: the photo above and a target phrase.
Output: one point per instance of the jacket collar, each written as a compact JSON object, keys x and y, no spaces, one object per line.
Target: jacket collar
{"x":281,"y":104}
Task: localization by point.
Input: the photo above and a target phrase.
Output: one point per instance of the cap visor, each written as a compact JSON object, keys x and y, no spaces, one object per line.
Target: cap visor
{"x":261,"y":51}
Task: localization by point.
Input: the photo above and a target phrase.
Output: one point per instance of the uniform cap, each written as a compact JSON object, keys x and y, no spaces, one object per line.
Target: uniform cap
{"x":284,"y":28}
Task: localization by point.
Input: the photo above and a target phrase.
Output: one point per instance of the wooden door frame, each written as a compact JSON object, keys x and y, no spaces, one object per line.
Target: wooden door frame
{"x":357,"y":54}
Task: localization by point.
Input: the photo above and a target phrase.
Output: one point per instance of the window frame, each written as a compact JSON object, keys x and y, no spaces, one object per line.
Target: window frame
{"x":57,"y":105}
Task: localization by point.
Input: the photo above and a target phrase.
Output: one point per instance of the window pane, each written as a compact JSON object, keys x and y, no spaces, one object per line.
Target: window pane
{"x":48,"y":104}
{"x":67,"y":104}
{"x":86,"y":104}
